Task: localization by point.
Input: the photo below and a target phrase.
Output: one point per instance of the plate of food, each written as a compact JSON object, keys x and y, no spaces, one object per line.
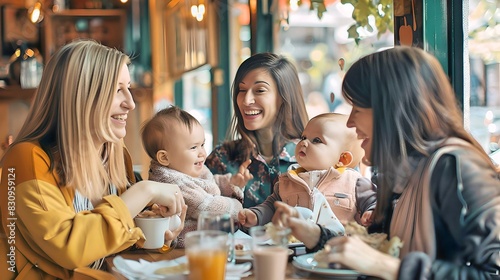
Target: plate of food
{"x":296,"y":243}
{"x":318,"y":262}
{"x":308,"y":263}
{"x":141,"y":269}
{"x":292,"y":240}
{"x":378,"y":241}
{"x":243,"y":250}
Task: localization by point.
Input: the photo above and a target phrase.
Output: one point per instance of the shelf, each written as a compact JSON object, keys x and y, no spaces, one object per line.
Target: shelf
{"x":104,"y":26}
{"x":12,"y":93}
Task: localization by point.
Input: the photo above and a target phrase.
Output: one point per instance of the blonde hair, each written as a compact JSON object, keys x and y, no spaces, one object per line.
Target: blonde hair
{"x":70,"y":112}
{"x":351,"y":142}
{"x":156,"y":132}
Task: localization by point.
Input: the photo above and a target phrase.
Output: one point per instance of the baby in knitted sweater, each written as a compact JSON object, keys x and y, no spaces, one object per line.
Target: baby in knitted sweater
{"x":174,"y":140}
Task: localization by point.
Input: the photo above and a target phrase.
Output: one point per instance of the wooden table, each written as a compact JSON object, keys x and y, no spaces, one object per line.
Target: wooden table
{"x":151,"y":255}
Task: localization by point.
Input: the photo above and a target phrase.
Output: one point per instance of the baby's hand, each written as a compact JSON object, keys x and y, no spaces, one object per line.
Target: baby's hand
{"x":247,"y":218}
{"x":366,"y":218}
{"x":241,"y":178}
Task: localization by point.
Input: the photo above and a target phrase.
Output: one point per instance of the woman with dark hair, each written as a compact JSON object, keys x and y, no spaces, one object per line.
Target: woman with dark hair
{"x":269,"y":116}
{"x":437,"y":189}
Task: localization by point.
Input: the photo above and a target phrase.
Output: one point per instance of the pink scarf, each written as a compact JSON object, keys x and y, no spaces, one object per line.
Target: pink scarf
{"x":412,"y":220}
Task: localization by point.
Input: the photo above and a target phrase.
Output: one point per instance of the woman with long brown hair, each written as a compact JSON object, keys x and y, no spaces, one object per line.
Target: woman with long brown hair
{"x":269,"y":116}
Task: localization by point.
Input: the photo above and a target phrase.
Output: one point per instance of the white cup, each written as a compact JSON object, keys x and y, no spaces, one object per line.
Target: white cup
{"x":154,"y":229}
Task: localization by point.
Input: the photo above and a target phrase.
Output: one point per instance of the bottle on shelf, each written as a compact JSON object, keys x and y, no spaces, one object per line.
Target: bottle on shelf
{"x":25,"y":67}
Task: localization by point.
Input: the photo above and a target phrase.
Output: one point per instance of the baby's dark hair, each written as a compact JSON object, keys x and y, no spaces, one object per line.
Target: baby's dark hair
{"x":159,"y":129}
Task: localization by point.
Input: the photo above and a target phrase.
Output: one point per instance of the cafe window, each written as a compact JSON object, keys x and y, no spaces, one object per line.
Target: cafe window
{"x":197,"y":100}
{"x":322,"y":50}
{"x":483,"y":94}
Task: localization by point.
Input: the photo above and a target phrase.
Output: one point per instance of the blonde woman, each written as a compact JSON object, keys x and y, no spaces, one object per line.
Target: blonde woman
{"x":67,"y":192}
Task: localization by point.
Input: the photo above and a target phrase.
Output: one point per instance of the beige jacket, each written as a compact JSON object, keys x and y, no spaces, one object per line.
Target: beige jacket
{"x":337,"y":185}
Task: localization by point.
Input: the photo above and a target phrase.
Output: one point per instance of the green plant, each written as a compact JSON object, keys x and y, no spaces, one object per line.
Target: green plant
{"x":318,"y":5}
{"x":381,"y":10}
{"x":483,"y":40}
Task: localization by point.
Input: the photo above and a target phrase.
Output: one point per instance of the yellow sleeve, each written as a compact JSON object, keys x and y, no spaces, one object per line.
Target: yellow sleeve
{"x":47,"y":226}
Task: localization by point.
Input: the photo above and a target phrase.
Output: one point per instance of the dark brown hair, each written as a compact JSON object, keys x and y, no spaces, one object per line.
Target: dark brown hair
{"x":292,"y":115}
{"x":414,"y":106}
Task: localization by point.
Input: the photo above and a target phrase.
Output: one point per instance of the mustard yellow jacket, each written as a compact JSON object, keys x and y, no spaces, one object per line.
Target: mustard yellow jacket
{"x":41,"y":235}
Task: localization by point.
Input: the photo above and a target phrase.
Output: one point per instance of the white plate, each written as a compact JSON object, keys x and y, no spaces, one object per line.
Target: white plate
{"x":246,"y":253}
{"x":307,"y":263}
{"x":295,"y":244}
{"x":141,"y":269}
{"x":236,"y":270}
{"x":247,"y":256}
{"x":154,"y":266}
{"x":145,"y":270}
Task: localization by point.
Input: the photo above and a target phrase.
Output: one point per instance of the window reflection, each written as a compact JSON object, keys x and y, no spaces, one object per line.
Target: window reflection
{"x":197,"y":100}
{"x":319,"y":47}
{"x":484,"y":59}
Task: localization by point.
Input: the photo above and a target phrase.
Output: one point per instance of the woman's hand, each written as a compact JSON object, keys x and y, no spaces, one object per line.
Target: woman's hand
{"x":146,"y":192}
{"x":241,"y":178}
{"x":167,"y":195}
{"x":304,"y":230}
{"x":282,"y":213}
{"x":172,"y":235}
{"x":352,"y":252}
{"x":367,"y":218}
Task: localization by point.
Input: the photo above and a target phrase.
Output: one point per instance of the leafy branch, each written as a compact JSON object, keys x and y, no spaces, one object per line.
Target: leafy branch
{"x":318,"y":5}
{"x":381,"y":10}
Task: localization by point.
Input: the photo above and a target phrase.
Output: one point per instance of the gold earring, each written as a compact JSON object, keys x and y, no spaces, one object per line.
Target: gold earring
{"x":339,"y":165}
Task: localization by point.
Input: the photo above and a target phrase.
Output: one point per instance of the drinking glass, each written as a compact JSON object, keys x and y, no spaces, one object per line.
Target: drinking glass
{"x":270,"y":252}
{"x":223,"y":222}
{"x":206,"y":251}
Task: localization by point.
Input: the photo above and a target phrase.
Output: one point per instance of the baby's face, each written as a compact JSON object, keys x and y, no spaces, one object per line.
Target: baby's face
{"x":321,"y":145}
{"x":186,"y":151}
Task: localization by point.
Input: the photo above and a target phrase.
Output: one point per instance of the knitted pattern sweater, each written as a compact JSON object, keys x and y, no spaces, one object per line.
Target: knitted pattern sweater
{"x":212,"y":193}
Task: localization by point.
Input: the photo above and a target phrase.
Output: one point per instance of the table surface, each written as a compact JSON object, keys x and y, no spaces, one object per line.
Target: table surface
{"x":152,"y":255}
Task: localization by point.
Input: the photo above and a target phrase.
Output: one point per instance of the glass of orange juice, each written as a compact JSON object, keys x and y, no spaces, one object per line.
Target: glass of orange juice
{"x":206,"y":252}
